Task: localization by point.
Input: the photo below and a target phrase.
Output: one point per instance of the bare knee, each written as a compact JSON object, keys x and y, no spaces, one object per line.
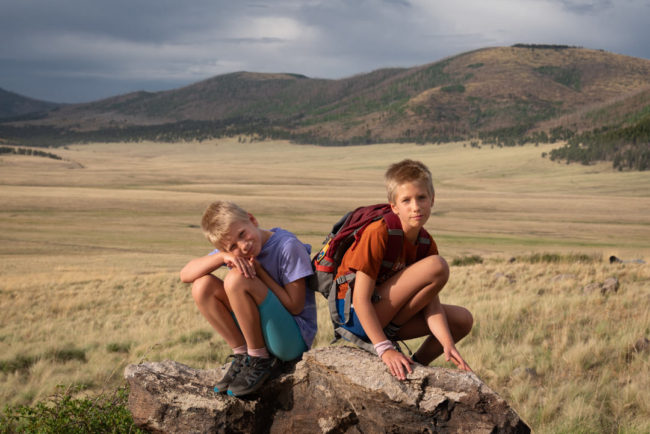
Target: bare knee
{"x":465,"y":322}
{"x":204,"y":288}
{"x":234,"y":279}
{"x":437,"y":269}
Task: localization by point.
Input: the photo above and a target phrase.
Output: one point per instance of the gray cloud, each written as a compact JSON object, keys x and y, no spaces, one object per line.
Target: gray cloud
{"x":581,"y":7}
{"x":81,"y":50}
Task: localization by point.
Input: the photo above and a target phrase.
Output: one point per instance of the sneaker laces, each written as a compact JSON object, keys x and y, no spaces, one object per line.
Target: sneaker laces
{"x":256,"y":368}
{"x":238,"y":362}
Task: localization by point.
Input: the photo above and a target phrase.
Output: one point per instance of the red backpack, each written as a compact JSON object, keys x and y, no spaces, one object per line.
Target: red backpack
{"x":343,"y":236}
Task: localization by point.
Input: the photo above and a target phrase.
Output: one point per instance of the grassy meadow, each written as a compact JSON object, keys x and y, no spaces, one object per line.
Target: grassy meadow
{"x":91,"y":246}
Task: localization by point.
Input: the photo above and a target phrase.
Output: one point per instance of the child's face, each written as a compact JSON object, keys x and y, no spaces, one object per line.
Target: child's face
{"x":244,"y":238}
{"x":412,"y":203}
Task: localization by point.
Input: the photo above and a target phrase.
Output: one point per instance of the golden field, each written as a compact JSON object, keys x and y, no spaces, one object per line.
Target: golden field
{"x":91,"y":246}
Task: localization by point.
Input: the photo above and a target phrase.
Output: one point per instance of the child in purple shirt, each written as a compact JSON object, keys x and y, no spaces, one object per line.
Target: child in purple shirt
{"x":262,"y":307}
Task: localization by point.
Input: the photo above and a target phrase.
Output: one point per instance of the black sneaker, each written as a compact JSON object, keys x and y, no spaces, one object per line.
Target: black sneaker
{"x":238,"y":362}
{"x":252,"y":376}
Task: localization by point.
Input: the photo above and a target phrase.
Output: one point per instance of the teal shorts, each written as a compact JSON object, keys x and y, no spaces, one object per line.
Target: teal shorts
{"x":280,"y":330}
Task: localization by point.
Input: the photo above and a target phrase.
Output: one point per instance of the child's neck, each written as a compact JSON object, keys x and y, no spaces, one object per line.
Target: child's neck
{"x":266,"y":234}
{"x":412,"y":235}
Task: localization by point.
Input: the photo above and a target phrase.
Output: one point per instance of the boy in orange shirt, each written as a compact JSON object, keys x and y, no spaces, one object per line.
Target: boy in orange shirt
{"x":404,"y":305}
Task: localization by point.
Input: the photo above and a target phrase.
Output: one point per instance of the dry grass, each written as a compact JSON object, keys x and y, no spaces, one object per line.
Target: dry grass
{"x":90,"y":249}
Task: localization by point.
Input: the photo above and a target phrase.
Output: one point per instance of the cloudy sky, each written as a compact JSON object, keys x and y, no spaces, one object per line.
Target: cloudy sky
{"x":84,"y":50}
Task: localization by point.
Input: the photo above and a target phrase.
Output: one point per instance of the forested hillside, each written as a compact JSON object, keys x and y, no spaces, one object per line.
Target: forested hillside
{"x":503,"y":96}
{"x":628,"y":147}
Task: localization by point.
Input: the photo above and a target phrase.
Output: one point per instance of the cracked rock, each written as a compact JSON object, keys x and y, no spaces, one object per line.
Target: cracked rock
{"x":336,"y":389}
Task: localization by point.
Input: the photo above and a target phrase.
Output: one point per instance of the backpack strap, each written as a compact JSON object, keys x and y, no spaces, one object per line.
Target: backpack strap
{"x":424,"y":244}
{"x":340,"y":332}
{"x":393,"y":244}
{"x":332,"y":297}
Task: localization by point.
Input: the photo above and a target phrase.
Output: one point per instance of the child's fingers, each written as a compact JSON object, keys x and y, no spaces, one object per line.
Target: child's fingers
{"x":397,"y":363}
{"x":250,"y":270}
{"x":244,"y":267}
{"x":247,"y":268}
{"x":407,"y":364}
{"x":460,"y":362}
{"x":399,"y":371}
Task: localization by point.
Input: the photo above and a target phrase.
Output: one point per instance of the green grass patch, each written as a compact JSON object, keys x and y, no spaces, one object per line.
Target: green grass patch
{"x":453,"y":88}
{"x":196,"y":337}
{"x":569,"y":77}
{"x":556,"y":258}
{"x":505,"y":241}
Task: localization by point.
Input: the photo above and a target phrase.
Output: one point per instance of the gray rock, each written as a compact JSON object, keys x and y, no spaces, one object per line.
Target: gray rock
{"x":562,"y":277}
{"x":608,"y":286}
{"x":642,"y":345}
{"x":525,"y":372}
{"x":591,"y":287}
{"x":336,"y":389}
{"x":509,"y":277}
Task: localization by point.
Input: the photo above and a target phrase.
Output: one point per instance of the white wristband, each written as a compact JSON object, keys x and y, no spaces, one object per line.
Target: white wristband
{"x":383,"y":346}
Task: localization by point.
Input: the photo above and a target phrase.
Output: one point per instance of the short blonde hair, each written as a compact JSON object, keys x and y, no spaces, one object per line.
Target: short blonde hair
{"x":407,"y":171}
{"x":217,"y":219}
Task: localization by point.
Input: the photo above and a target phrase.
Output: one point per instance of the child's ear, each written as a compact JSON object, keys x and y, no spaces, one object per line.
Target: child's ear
{"x":253,"y":219}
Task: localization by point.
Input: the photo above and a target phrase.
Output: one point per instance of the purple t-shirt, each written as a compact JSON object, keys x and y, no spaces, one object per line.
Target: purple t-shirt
{"x":287,"y":259}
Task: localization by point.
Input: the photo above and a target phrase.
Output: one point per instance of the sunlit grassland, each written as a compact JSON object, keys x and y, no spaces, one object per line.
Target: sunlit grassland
{"x":90,"y":249}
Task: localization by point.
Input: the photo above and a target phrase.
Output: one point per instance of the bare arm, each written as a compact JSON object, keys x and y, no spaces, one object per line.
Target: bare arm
{"x":437,"y":322}
{"x":205,"y":265}
{"x":364,"y":287}
{"x":291,"y":295}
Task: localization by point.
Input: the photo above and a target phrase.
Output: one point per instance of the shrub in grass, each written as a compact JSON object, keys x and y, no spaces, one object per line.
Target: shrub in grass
{"x":63,"y":413}
{"x":66,"y":354}
{"x":467,"y":260}
{"x":18,"y":363}
{"x":23,"y":362}
{"x":118,"y":347}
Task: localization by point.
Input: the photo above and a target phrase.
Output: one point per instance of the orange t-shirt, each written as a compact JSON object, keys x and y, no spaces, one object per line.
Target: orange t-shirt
{"x":367,"y":254}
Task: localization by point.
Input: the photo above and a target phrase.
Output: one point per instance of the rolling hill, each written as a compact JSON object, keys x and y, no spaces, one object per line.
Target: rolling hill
{"x":501,"y":95}
{"x":13,"y":105}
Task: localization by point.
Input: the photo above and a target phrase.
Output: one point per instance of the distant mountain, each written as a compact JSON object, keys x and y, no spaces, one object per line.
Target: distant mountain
{"x":13,"y":105}
{"x":500,"y":94}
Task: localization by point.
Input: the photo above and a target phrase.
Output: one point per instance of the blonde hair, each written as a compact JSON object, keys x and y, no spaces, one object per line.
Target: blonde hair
{"x":217,"y":219}
{"x":407,"y":171}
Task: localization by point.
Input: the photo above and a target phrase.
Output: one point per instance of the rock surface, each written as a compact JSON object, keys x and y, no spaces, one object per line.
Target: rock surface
{"x":332,"y":390}
{"x":610,"y":285}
